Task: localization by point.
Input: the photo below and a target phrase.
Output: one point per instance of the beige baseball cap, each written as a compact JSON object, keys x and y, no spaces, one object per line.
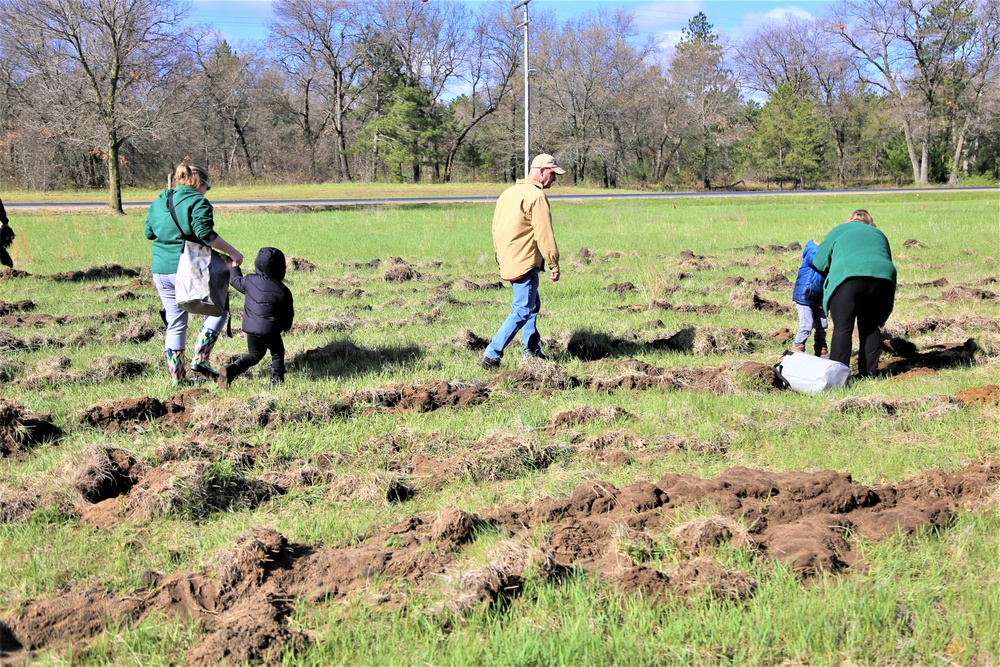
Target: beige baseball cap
{"x":546,"y":161}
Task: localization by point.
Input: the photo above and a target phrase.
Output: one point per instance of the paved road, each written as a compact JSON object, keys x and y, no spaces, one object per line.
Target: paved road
{"x":395,"y":201}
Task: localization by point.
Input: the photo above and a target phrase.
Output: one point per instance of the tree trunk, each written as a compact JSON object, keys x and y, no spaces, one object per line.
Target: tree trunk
{"x":957,"y":155}
{"x":114,"y":176}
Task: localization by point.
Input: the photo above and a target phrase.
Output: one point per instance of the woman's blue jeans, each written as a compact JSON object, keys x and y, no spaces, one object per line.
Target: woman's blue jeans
{"x":523,"y":312}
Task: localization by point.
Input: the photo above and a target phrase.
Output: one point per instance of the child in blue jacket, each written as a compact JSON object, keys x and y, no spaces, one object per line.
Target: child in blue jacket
{"x":808,"y":298}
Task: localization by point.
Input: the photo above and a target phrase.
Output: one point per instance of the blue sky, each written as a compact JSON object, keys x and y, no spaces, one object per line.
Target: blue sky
{"x":247,"y":19}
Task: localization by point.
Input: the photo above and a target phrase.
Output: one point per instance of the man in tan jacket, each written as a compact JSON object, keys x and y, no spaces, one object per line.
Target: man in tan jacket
{"x":523,"y":240}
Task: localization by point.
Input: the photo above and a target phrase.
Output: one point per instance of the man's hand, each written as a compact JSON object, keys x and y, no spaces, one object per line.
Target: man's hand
{"x":554,"y":275}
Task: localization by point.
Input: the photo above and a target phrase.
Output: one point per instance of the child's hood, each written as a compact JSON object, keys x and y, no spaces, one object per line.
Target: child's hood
{"x":271,"y":263}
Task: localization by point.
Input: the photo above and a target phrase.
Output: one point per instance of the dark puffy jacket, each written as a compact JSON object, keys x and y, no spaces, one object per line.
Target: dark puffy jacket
{"x":809,"y":283}
{"x":268,"y":308}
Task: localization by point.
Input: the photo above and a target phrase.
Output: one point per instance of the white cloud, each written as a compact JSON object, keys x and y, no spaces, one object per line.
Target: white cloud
{"x":752,"y":21}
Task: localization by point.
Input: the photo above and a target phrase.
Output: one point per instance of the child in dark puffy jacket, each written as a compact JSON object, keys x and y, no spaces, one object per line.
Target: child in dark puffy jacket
{"x":267,"y":313}
{"x":808,"y":298}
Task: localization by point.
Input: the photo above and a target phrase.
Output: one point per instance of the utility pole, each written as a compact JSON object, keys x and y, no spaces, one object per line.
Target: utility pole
{"x":527,"y":157}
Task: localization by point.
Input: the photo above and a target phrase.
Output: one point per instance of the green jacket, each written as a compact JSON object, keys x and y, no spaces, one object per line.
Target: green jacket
{"x":853,"y":250}
{"x":194,"y":215}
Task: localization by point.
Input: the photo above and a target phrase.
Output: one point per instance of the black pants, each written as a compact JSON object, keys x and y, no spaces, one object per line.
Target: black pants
{"x":867,"y":301}
{"x":257,"y":346}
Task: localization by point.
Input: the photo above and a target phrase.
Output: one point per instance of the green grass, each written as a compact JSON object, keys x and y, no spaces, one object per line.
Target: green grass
{"x":928,"y":598}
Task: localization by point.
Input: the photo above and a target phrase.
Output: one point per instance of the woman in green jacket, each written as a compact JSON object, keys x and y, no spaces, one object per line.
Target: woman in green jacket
{"x":195,"y":218}
{"x":860,"y":287}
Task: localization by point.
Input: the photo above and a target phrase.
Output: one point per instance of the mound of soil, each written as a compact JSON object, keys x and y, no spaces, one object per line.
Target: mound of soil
{"x":464,"y":285}
{"x":21,"y":429}
{"x":123,"y":414}
{"x":6,"y":307}
{"x":585,"y":414}
{"x":986,"y":395}
{"x":103,"y":272}
{"x":621,"y":289}
{"x":400,"y":273}
{"x":293,"y":263}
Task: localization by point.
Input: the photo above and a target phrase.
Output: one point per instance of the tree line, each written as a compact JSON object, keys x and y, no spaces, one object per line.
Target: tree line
{"x":100,"y":93}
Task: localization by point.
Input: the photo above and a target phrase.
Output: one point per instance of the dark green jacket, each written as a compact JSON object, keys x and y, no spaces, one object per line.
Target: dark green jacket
{"x":194,"y":214}
{"x":853,"y":250}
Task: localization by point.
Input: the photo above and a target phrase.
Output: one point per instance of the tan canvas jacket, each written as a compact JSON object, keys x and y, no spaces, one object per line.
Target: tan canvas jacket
{"x":522,"y":230}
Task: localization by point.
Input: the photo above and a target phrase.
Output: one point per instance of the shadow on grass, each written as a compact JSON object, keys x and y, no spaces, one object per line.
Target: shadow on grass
{"x":907,"y":358}
{"x":342,"y":357}
{"x":593,"y":345}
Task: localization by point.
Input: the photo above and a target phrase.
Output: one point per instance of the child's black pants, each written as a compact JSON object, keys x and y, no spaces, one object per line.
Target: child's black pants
{"x":257,"y":347}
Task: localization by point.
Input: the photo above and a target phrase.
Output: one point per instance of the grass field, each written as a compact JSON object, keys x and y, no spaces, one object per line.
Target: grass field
{"x":392,"y":503}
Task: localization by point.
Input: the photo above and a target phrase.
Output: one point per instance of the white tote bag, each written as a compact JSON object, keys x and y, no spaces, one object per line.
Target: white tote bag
{"x":810,"y":375}
{"x":202,"y":282}
{"x":201,"y":285}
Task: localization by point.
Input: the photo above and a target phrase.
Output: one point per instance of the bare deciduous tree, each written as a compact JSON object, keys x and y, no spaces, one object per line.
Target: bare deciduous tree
{"x":123,"y":51}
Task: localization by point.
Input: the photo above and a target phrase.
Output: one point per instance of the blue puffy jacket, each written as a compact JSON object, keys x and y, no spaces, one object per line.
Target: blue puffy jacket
{"x":809,"y":283}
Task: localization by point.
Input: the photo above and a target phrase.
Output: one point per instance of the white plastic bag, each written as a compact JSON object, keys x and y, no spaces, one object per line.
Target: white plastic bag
{"x":202,"y":283}
{"x":808,"y":374}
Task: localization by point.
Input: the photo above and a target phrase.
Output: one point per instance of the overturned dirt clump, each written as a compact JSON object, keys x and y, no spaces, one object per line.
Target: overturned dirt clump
{"x":137,"y":331}
{"x":470,"y":340}
{"x":21,"y":429}
{"x":986,"y":395}
{"x":400,"y":273}
{"x":749,"y":299}
{"x":967,"y":294}
{"x":621,"y":289}
{"x":585,"y":414}
{"x":8,"y":274}
{"x":6,"y":307}
{"x":116,"y":368}
{"x":293,"y":263}
{"x":345,"y":322}
{"x":536,"y":374}
{"x":421,"y":398}
{"x":124,"y":414}
{"x":499,"y":456}
{"x":234,"y":414}
{"x":192,"y":489}
{"x":464,"y":285}
{"x":103,"y":272}
{"x":712,"y":340}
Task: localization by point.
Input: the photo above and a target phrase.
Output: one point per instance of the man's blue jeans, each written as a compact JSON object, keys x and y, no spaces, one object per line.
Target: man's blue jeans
{"x":523,"y":311}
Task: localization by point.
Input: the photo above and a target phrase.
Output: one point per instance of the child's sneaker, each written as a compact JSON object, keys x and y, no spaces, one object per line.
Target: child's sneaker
{"x":822,"y":352}
{"x":798,"y":348}
{"x":222,"y":377}
{"x":277,"y":377}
